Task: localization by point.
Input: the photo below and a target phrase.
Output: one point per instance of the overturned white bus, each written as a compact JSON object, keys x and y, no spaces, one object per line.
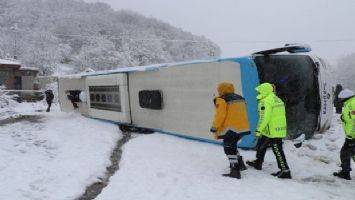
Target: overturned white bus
{"x":177,"y":98}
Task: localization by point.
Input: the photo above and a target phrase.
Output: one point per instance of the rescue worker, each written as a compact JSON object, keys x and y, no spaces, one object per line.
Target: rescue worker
{"x":348,"y":122}
{"x":230,"y":124}
{"x":49,"y":99}
{"x":271,"y":129}
{"x":72,"y":98}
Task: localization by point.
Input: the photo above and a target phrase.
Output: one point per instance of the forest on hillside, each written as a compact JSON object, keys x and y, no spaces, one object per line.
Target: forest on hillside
{"x":344,"y":71}
{"x":50,"y":33}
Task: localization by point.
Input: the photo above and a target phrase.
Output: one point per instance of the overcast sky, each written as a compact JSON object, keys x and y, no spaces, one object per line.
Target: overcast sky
{"x":241,"y":27}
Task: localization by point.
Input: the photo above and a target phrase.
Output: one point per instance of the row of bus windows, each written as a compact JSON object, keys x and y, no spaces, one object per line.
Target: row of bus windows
{"x":109,"y":98}
{"x":105,"y":98}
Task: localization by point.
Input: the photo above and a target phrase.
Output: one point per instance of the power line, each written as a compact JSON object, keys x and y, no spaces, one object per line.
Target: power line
{"x":285,"y":41}
{"x":121,"y":38}
{"x":201,"y":41}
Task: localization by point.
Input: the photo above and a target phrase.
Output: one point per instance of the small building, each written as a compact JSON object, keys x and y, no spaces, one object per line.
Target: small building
{"x":27,"y":78}
{"x":15,"y":77}
{"x":7,"y":73}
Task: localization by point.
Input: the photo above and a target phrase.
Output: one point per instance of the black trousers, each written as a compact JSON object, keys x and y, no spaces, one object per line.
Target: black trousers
{"x":74,"y":104}
{"x":346,"y":153}
{"x":338,"y":109}
{"x":49,"y":105}
{"x":276,"y":145}
{"x":230,"y":140}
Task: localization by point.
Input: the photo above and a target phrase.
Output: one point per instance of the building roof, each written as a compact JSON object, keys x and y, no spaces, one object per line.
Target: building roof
{"x":8,"y":62}
{"x":29,"y":69}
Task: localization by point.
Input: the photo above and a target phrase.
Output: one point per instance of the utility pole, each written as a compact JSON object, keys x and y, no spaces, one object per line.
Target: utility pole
{"x":14,"y":29}
{"x":15,"y":55}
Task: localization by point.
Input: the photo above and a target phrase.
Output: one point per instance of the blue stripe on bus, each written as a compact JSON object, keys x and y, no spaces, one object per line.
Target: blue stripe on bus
{"x":250,"y":80}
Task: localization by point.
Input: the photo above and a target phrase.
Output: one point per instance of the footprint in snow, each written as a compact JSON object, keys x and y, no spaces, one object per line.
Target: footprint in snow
{"x":318,"y":179}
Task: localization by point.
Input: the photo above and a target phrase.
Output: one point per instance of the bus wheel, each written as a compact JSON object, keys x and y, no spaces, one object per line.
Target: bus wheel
{"x":125,"y":128}
{"x":145,"y":131}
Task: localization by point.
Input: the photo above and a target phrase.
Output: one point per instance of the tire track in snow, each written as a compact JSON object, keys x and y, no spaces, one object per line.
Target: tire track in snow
{"x":93,"y":190}
{"x":19,"y":118}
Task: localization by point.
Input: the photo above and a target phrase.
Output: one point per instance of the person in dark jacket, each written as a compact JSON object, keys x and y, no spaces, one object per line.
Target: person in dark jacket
{"x":338,"y":104}
{"x":49,"y":99}
{"x":73,"y":98}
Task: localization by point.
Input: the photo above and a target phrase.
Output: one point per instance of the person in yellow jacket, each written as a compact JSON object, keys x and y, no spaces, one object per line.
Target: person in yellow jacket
{"x":348,"y":122}
{"x":230,"y":124}
{"x":271,"y":129}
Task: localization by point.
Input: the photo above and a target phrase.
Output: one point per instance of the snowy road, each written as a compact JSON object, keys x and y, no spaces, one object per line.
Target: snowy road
{"x":55,"y":158}
{"x":58,"y":155}
{"x":164,"y":167}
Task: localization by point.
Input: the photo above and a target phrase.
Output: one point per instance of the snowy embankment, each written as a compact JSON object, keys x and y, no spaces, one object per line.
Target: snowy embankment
{"x":52,"y":156}
{"x":164,"y":167}
{"x":55,"y":156}
{"x":7,"y":105}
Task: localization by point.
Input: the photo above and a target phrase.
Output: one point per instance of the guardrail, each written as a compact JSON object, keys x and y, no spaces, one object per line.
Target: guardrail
{"x":25,"y":95}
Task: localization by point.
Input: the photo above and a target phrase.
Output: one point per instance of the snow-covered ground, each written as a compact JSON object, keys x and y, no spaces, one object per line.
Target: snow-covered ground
{"x":56,"y":155}
{"x":164,"y":167}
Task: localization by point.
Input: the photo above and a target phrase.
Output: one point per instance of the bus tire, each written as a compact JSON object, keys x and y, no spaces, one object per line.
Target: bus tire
{"x":127,"y":128}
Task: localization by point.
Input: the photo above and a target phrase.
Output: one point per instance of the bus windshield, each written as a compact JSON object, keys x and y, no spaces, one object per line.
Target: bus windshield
{"x":296,"y":81}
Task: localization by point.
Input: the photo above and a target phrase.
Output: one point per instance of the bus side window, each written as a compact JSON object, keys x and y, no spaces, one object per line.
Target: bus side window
{"x":151,"y":99}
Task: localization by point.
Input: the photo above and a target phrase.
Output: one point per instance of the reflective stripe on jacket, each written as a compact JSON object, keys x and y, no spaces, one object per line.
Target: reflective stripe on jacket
{"x":230,"y":112}
{"x":272,"y":114}
{"x":348,"y":118}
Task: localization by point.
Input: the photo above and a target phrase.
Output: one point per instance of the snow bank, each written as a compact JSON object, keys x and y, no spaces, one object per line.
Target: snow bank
{"x":56,"y":155}
{"x":53,"y":155}
{"x":7,"y":105}
{"x":164,"y":167}
{"x":9,"y":62}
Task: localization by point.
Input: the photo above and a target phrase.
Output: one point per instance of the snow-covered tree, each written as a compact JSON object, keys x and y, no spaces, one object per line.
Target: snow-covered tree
{"x":344,"y":71}
{"x":43,"y":50}
{"x":99,"y":54}
{"x":73,"y":32}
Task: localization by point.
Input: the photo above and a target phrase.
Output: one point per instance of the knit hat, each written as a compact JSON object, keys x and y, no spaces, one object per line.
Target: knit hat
{"x":346,"y":93}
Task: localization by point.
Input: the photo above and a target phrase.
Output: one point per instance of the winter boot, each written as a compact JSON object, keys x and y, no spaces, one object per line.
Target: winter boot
{"x":234,"y":173}
{"x":256,"y":164}
{"x":241,"y":164}
{"x":276,"y":173}
{"x":286,"y":174}
{"x":343,"y":174}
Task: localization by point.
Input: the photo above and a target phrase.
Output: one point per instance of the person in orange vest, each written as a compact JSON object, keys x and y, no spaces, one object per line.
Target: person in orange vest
{"x":230,"y":124}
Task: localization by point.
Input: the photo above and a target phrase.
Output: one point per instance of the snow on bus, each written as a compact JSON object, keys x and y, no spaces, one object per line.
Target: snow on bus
{"x":177,"y":98}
